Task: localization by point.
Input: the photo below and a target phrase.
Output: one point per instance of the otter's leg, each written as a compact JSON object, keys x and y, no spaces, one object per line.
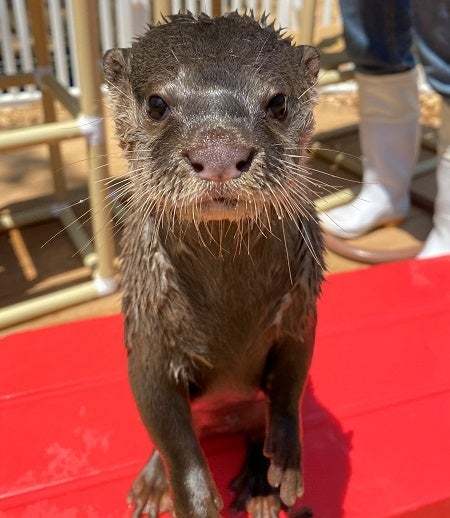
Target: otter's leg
{"x":253,"y":493}
{"x":286,"y":371}
{"x":149,"y":493}
{"x":165,"y":410}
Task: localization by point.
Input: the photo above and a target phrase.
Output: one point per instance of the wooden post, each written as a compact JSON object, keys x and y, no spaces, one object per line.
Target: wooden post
{"x":40,"y":44}
{"x":91,"y":102}
{"x":216,"y":8}
{"x":307,"y":22}
{"x":160,"y":8}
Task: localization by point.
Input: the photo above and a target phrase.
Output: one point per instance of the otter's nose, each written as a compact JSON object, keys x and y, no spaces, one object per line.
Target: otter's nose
{"x":220,"y":161}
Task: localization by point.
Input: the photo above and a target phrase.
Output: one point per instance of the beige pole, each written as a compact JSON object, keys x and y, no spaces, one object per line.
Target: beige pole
{"x":59,"y":92}
{"x":216,"y":8}
{"x":16,"y":80}
{"x":160,"y":8}
{"x":44,"y":304}
{"x":88,"y":54}
{"x":37,"y":18}
{"x":307,"y":22}
{"x":50,"y":132}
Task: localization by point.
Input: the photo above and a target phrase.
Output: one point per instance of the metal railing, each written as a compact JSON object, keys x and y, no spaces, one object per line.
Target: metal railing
{"x":120,"y":21}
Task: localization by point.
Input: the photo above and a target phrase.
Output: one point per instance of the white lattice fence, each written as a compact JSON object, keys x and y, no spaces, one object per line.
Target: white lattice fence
{"x":120,"y":20}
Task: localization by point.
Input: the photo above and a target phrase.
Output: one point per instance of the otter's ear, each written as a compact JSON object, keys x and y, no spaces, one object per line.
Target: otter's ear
{"x":116,"y":65}
{"x":310,"y":62}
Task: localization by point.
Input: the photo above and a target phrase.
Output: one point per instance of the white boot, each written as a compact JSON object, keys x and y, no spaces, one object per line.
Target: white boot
{"x":389,"y":136}
{"x":438,"y":242}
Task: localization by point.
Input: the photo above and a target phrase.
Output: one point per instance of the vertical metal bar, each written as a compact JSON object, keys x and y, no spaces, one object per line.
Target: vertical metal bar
{"x":106,"y":25}
{"x":59,"y":44}
{"x":191,"y":5}
{"x":267,"y":6}
{"x":124,"y":23}
{"x":294,"y":16}
{"x":175,"y":6}
{"x":40,"y":44}
{"x":251,"y":5}
{"x":140,"y":17}
{"x":206,"y":6}
{"x":86,"y":30}
{"x":235,"y":5}
{"x":26,"y":57}
{"x":72,"y":45}
{"x":224,"y":6}
{"x":9,"y":62}
{"x":327,"y":12}
{"x":283,"y":11}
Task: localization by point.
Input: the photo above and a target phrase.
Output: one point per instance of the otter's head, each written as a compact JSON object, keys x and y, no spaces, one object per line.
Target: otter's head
{"x":214,"y":116}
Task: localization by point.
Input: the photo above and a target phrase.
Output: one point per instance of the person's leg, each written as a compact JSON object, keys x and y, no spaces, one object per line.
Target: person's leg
{"x":378,"y":37}
{"x":438,"y":242}
{"x":432,"y":31}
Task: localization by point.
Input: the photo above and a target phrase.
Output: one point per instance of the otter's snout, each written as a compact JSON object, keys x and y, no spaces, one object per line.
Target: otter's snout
{"x":219,"y":161}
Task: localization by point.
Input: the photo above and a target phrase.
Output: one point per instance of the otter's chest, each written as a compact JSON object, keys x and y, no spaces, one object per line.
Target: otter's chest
{"x":233,"y":295}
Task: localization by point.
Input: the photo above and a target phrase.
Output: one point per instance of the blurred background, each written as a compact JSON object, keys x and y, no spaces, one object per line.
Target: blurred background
{"x":39,"y":258}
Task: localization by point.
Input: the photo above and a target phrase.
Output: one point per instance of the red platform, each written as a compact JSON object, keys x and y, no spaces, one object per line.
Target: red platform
{"x":376,"y":412}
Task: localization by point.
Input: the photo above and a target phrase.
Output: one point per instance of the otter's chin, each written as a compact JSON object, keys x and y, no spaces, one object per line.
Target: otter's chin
{"x":220,"y":209}
{"x":217,"y":210}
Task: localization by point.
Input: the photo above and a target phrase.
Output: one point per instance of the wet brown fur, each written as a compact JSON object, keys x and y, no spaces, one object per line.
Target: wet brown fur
{"x":221,"y":311}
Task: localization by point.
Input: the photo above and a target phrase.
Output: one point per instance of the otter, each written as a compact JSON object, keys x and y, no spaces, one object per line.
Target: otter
{"x":222,"y":256}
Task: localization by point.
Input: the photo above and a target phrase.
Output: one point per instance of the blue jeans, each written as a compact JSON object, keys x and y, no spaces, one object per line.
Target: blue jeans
{"x":380,"y":35}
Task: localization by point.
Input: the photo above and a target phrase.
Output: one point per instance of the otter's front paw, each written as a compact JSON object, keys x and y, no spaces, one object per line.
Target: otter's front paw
{"x":282,"y":447}
{"x":149,"y":494}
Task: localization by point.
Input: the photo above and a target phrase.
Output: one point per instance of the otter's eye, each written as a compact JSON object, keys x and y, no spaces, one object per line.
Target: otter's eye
{"x":276,"y":107}
{"x":157,"y":108}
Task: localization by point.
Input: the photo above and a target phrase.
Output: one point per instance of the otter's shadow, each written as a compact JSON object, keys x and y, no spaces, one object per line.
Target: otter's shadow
{"x":326,"y":459}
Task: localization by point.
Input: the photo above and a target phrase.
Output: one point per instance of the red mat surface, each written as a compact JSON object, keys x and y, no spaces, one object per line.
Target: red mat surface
{"x":376,"y":412}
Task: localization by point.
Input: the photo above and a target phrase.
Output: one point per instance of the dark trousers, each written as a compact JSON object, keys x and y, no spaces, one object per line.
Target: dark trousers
{"x":381,"y":36}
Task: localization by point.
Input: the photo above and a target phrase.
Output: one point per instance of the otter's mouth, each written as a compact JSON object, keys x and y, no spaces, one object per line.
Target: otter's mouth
{"x":214,"y":207}
{"x":218,"y":201}
{"x":223,"y":201}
